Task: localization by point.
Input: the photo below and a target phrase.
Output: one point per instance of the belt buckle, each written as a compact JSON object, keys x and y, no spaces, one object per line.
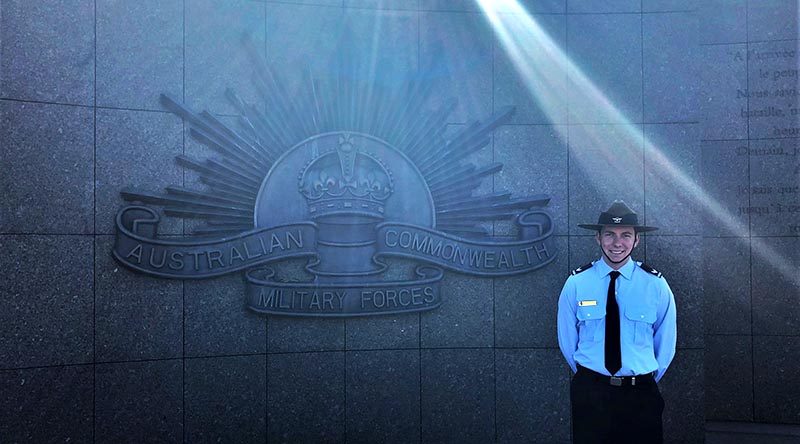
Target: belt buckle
{"x":615,"y":381}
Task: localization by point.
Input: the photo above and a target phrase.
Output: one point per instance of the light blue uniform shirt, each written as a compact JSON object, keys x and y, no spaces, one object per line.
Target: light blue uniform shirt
{"x":648,"y":330}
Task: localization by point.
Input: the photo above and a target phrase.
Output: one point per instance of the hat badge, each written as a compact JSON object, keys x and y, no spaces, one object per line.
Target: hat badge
{"x":616,"y":219}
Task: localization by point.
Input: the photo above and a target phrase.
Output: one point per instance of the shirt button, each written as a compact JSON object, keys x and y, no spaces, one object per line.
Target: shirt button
{"x":588,"y":315}
{"x":642,"y":315}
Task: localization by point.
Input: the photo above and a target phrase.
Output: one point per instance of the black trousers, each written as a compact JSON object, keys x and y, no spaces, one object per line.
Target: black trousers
{"x":603,"y":413}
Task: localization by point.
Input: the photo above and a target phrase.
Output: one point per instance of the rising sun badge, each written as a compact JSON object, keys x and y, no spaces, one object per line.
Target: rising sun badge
{"x":343,"y":178}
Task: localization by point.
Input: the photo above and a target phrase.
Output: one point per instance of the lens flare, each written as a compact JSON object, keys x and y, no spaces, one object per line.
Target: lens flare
{"x":612,"y":150}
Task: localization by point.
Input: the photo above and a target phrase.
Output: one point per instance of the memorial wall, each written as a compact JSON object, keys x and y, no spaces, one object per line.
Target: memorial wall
{"x":174,"y":273}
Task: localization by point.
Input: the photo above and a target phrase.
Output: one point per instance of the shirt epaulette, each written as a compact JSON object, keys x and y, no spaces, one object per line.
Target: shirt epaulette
{"x":650,"y":270}
{"x":582,"y":268}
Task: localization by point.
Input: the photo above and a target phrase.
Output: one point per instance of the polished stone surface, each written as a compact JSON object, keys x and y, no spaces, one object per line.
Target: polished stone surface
{"x":672,"y":67}
{"x":50,"y":404}
{"x":135,"y":150}
{"x":383,"y":396}
{"x":225,"y":399}
{"x":217,"y":321}
{"x":776,"y":379}
{"x":47,"y":170}
{"x":525,"y":306}
{"x":726,"y":286}
{"x":139,"y":402}
{"x":680,"y":258}
{"x":136,"y":317}
{"x":775,"y":286}
{"x":306,"y":397}
{"x":532,"y":406}
{"x":673,"y":174}
{"x":48,"y":51}
{"x":544,"y":150}
{"x":728,"y":377}
{"x":48,"y":314}
{"x":458,"y":395}
{"x":139,"y":52}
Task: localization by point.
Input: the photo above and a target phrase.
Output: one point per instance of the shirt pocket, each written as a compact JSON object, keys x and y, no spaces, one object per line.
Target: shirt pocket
{"x":642,"y":317}
{"x":589,"y":318}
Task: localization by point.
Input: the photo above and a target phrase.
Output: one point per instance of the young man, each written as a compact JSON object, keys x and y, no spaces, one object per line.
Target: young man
{"x":616,"y":329}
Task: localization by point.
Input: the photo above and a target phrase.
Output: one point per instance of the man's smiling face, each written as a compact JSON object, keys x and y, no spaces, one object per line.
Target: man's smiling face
{"x":617,"y":244}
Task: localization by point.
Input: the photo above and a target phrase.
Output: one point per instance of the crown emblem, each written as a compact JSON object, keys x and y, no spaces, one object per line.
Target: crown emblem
{"x":616,"y":219}
{"x":346,"y":181}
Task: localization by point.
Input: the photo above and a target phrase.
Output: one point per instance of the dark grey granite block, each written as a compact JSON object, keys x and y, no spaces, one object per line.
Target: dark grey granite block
{"x":725,"y":182}
{"x":775,"y":285}
{"x":724,"y":82}
{"x":671,"y":67}
{"x":726,"y":285}
{"x":680,"y":259}
{"x":674,"y":199}
{"x":46,"y":404}
{"x":216,"y":56}
{"x":772,"y":19}
{"x":729,"y":378}
{"x":684,"y":394}
{"x":292,"y":51}
{"x":139,"y":402}
{"x":530,"y":6}
{"x":139,"y":52}
{"x":532,"y":396}
{"x":306,"y":397}
{"x":458,"y":396}
{"x":47,"y":168}
{"x":137,"y":316}
{"x":774,"y":109}
{"x":383,"y":43}
{"x":383,"y":397}
{"x":465,"y":318}
{"x":226,"y":399}
{"x":584,"y":249}
{"x":135,"y":150}
{"x":390,"y":331}
{"x":775,"y":187}
{"x":289,"y":334}
{"x":605,"y":164}
{"x":607,"y":53}
{"x":776,"y":379}
{"x":218,"y":321}
{"x":534,"y":162}
{"x":408,"y":5}
{"x":724,"y":21}
{"x":526,"y":305}
{"x":533,"y":81}
{"x":47,"y":293}
{"x":583,"y":6}
{"x":456,"y":56}
{"x":379,"y":332}
{"x":668,"y":5}
{"x":48,"y":51}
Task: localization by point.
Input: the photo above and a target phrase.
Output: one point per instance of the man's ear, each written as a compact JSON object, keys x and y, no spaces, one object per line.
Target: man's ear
{"x":597,"y":237}
{"x":636,"y":242}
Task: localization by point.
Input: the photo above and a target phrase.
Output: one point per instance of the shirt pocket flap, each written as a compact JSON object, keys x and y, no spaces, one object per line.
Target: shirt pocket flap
{"x":591,"y":312}
{"x":641,"y":314}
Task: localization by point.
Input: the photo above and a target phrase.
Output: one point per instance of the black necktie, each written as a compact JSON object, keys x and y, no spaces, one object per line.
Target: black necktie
{"x":613,"y":354}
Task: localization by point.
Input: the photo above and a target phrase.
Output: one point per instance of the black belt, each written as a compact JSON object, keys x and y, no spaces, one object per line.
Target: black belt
{"x":618,"y":381}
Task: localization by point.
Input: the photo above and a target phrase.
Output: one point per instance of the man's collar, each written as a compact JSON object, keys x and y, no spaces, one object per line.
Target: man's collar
{"x":625,"y":271}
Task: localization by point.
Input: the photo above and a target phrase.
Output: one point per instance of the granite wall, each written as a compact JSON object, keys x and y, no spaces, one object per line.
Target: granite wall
{"x":91,"y":351}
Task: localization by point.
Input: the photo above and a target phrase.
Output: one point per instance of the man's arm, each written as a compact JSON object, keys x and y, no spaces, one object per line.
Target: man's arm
{"x":567,"y":323}
{"x":665,"y":334}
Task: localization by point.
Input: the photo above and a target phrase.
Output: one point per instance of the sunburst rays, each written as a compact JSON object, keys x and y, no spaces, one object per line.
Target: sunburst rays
{"x":399,"y":116}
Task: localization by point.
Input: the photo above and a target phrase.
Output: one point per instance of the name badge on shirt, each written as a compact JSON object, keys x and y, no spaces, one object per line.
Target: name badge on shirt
{"x":587,"y":303}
